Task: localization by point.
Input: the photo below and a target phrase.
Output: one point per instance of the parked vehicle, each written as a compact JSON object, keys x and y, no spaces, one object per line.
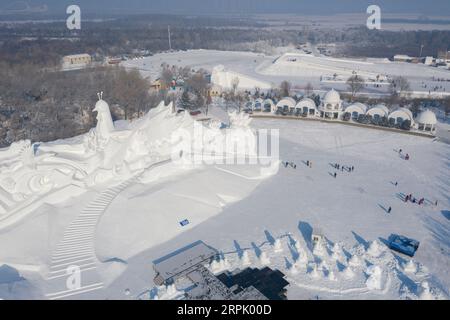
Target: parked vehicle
{"x":195,"y":113}
{"x":403,"y":244}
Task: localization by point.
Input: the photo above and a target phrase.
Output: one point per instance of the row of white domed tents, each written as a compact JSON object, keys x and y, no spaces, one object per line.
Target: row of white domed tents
{"x":331,"y":107}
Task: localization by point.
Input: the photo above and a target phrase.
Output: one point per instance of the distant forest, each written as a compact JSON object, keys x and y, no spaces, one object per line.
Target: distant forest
{"x":46,"y":43}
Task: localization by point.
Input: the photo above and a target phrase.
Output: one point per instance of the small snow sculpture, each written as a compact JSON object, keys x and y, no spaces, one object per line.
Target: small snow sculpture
{"x":277,"y":246}
{"x":323,"y":266}
{"x":171,"y":290}
{"x":298,"y":246}
{"x":302,"y":257}
{"x":374,"y":282}
{"x":215,"y":266}
{"x":337,"y":252}
{"x":354,"y":261}
{"x":224,"y":264}
{"x":375,"y":249}
{"x":426,"y":292}
{"x":293,"y":269}
{"x":348,"y":272}
{"x":410,"y":267}
{"x":331,"y":276}
{"x":319,"y":249}
{"x":315,"y":272}
{"x":264,"y":259}
{"x":245,"y":259}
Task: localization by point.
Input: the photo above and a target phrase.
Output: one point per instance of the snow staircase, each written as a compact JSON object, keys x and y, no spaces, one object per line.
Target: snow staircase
{"x":76,"y":249}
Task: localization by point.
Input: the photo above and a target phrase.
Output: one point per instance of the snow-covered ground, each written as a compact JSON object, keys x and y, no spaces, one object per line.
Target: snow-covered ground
{"x":299,"y":69}
{"x":114,"y":228}
{"x":348,"y":209}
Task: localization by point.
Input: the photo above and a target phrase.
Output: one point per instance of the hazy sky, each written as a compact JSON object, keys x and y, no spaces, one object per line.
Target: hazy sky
{"x":437,"y":7}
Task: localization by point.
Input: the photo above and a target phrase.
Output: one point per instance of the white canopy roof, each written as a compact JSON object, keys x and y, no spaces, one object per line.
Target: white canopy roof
{"x":356,"y":107}
{"x":306,"y":102}
{"x":286,"y":102}
{"x":332,"y":97}
{"x":403,"y":113}
{"x":426,"y":117}
{"x":380,"y":110}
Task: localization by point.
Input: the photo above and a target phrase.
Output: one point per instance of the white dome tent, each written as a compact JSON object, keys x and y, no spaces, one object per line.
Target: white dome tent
{"x":286,"y":105}
{"x":331,"y":106}
{"x":249,"y":105}
{"x":269,"y":106}
{"x":378,"y":112}
{"x":356,"y":109}
{"x":401,"y":115}
{"x":426,"y":121}
{"x":307,"y":106}
{"x":258,"y":105}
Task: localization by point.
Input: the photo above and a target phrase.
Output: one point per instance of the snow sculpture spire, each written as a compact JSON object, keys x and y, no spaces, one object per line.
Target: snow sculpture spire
{"x":105,"y":124}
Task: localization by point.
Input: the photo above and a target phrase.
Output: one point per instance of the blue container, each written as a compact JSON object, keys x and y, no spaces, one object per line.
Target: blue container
{"x":184,"y":222}
{"x":403,"y":244}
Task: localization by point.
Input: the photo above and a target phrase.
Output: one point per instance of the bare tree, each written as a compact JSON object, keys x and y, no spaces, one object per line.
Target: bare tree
{"x":167,"y":76}
{"x":399,"y":86}
{"x":355,"y":84}
{"x":309,"y":89}
{"x":234,"y":85}
{"x":447,"y":106}
{"x":285,"y":88}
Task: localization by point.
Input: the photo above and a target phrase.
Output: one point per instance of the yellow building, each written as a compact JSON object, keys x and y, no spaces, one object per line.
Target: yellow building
{"x":156,"y":85}
{"x":215,"y":91}
{"x":76,"y":61}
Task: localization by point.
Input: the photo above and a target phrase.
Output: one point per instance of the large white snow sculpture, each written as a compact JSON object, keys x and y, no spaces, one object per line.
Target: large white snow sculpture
{"x":32,"y":174}
{"x":105,"y":125}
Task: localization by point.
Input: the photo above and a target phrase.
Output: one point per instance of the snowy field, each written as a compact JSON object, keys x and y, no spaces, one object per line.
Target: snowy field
{"x":299,"y":69}
{"x":348,"y":209}
{"x":237,"y":214}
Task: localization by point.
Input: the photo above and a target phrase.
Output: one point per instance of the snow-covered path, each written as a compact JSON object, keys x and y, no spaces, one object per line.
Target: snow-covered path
{"x":76,"y":249}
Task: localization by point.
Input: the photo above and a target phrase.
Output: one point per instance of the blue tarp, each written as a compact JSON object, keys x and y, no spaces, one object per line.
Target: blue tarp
{"x":403,"y":244}
{"x":184,"y":222}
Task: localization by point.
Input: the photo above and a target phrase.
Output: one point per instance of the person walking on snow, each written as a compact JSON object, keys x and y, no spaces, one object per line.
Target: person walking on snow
{"x":389,"y":210}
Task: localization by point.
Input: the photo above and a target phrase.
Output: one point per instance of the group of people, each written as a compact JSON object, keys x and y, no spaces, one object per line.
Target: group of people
{"x":309,"y":164}
{"x":338,"y":166}
{"x":341,"y":167}
{"x":289,"y":164}
{"x":410,"y":197}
